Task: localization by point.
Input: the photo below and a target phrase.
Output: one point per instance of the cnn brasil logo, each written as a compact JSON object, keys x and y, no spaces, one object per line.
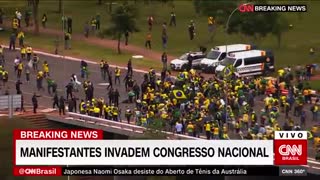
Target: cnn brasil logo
{"x":291,"y":147}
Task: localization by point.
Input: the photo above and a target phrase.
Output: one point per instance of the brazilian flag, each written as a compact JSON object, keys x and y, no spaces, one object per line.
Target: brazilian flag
{"x":228,"y":70}
{"x":179,"y":94}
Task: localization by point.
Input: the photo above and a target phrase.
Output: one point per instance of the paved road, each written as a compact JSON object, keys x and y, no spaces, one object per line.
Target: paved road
{"x":61,"y":70}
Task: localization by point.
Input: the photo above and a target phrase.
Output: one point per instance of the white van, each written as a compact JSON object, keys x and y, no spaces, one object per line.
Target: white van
{"x":217,"y":54}
{"x":249,"y":63}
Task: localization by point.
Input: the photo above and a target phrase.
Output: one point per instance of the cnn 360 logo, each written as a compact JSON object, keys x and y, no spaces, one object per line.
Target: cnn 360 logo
{"x":290,"y":148}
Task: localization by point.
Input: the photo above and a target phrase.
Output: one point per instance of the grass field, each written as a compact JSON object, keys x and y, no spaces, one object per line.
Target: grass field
{"x":81,"y":49}
{"x":295,"y":43}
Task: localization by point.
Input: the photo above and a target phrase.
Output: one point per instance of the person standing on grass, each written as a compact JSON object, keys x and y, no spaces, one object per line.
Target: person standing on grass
{"x":150,"y":22}
{"x":148,"y":40}
{"x":12,"y":44}
{"x":19,"y":17}
{"x":98,"y":17}
{"x":126,"y":35}
{"x":172,"y":19}
{"x":86,"y":29}
{"x":191,"y":30}
{"x":21,"y":38}
{"x":44,"y":20}
{"x":93,"y":25}
{"x":27,"y":16}
{"x":64,"y":20}
{"x":164,"y":60}
{"x":164,"y":40}
{"x":1,"y":16}
{"x":67,"y":39}
{"x":69,"y":24}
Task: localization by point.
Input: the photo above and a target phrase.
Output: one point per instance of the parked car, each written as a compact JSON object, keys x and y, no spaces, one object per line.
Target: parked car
{"x":182,"y":62}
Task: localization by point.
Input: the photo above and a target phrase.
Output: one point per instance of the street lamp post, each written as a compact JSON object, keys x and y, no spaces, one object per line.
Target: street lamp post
{"x":227,"y":87}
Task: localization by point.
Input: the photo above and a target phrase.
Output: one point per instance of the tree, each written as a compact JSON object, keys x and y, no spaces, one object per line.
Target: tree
{"x":35,"y":9}
{"x":60,"y":6}
{"x":280,"y":27}
{"x":122,"y":19}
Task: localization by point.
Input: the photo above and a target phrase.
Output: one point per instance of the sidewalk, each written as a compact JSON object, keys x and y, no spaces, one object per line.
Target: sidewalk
{"x":107,"y":43}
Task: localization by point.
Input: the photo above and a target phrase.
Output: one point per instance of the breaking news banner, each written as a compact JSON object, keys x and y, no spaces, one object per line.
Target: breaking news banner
{"x":249,"y":8}
{"x":46,"y":152}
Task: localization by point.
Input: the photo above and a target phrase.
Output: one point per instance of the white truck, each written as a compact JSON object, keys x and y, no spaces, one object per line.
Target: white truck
{"x":217,"y":54}
{"x":183,"y":61}
{"x":249,"y":63}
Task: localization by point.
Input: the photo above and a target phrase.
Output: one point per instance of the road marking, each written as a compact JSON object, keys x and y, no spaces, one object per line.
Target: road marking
{"x":315,"y":167}
{"x":103,"y":84}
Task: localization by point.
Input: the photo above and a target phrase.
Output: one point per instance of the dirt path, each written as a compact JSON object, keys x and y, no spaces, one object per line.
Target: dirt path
{"x":107,"y":43}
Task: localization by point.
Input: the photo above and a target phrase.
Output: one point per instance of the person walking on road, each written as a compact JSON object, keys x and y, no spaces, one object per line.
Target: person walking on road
{"x":128,"y":114}
{"x":12,"y":44}
{"x":18,"y":86}
{"x":103,"y":73}
{"x":27,"y":71}
{"x":29,"y":52}
{"x":110,"y":80}
{"x":62,"y":105}
{"x":55,"y":101}
{"x":35,"y":103}
{"x":117,"y":74}
{"x":69,"y":89}
{"x":40,"y":81}
{"x":116,"y":97}
{"x":35,"y":62}
{"x":19,"y":69}
{"x":129,"y":68}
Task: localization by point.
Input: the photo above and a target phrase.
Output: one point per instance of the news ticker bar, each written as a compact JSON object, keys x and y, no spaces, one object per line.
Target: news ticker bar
{"x":161,"y":171}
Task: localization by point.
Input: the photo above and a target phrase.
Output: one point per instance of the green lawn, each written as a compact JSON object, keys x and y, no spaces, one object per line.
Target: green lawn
{"x":294,"y":49}
{"x":315,"y":84}
{"x":81,"y":49}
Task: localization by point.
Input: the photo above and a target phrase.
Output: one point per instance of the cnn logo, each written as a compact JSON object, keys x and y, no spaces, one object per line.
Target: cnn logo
{"x":286,"y":150}
{"x":290,"y":148}
{"x":245,"y":8}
